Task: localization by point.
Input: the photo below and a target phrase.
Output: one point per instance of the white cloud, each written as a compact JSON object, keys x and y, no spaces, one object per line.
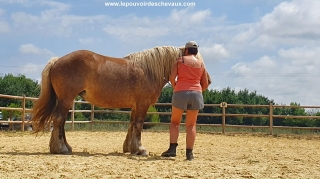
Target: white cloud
{"x":200,"y":16}
{"x":262,"y":66}
{"x":15,"y":1}
{"x":240,"y":68}
{"x":56,"y":5}
{"x":186,"y":16}
{"x":89,"y":40}
{"x":134,"y":32}
{"x":264,"y":62}
{"x":86,"y":40}
{"x":292,"y":21}
{"x":29,"y":68}
{"x":289,"y":76}
{"x":216,"y":52}
{"x":129,"y":27}
{"x":301,"y":61}
{"x":301,"y":55}
{"x":31,"y":49}
{"x":4,"y":26}
{"x":33,"y":3}
{"x":54,"y":20}
{"x":2,"y":12}
{"x":244,"y":36}
{"x":177,"y":23}
{"x":276,"y":54}
{"x":32,"y":70}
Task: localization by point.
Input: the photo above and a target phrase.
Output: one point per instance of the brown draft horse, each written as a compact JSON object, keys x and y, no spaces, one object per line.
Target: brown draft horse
{"x":135,"y":82}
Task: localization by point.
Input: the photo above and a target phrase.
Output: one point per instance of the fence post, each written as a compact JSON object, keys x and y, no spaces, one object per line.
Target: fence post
{"x":92,"y":117}
{"x":72,"y":116}
{"x":223,"y":105}
{"x":271,"y":119}
{"x":23,"y":112}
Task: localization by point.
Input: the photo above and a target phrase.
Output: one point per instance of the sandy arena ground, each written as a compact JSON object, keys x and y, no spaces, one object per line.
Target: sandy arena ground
{"x":99,"y":155}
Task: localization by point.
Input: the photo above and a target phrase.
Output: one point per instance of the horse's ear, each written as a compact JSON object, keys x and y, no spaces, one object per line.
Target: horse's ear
{"x":181,"y":51}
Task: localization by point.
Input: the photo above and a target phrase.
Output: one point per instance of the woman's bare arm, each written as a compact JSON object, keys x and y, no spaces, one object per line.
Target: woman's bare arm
{"x":173,"y":75}
{"x":204,"y":80}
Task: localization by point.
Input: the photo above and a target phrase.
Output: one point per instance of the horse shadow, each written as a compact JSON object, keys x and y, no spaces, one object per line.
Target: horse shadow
{"x":150,"y":157}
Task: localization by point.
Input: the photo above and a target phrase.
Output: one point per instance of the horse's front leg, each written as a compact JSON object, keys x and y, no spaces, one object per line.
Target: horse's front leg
{"x":58,"y":143}
{"x":135,"y":142}
{"x":136,"y":145}
{"x":126,"y":143}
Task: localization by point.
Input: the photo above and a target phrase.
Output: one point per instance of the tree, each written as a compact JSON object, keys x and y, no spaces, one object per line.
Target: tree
{"x":165,"y":97}
{"x":295,"y":112}
{"x":151,"y":117}
{"x":12,"y":114}
{"x":18,"y":86}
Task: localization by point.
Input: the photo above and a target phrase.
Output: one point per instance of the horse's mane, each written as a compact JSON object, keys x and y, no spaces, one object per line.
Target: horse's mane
{"x":157,"y":62}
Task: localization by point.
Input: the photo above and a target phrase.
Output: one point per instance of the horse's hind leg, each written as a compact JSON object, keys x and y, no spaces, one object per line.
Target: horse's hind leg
{"x":58,"y":143}
{"x":65,"y":139}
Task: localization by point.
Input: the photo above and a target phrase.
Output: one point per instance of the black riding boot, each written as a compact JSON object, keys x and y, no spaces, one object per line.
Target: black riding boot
{"x":189,"y":154}
{"x":171,"y":152}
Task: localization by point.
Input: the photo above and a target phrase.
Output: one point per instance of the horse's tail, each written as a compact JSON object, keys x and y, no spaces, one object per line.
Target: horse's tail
{"x":46,"y":103}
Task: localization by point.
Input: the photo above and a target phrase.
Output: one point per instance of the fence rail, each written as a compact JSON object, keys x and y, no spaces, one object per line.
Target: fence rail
{"x":222,"y":105}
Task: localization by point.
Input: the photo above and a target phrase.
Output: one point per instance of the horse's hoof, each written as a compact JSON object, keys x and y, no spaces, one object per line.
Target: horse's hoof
{"x":142,"y":151}
{"x":66,"y":152}
{"x":125,"y":150}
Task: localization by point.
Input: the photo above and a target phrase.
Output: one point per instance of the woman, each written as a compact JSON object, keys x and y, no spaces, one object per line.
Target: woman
{"x":187,"y":96}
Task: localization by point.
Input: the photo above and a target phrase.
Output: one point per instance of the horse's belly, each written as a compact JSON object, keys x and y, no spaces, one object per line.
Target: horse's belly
{"x":110,"y":99}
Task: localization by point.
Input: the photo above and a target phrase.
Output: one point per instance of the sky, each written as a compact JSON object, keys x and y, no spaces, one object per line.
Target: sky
{"x":271,"y":47}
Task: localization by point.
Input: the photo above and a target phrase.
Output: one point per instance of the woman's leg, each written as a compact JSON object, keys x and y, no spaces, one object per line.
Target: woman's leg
{"x":191,"y":121}
{"x":174,"y":132}
{"x":175,"y":124}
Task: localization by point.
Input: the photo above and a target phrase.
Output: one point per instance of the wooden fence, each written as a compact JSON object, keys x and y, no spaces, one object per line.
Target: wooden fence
{"x":222,"y":105}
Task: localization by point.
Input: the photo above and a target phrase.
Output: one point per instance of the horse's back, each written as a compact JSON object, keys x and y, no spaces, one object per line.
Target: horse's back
{"x":84,"y":62}
{"x":89,"y":56}
{"x":101,"y":80}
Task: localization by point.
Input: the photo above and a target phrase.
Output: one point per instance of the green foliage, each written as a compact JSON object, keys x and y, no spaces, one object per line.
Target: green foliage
{"x":99,"y":115}
{"x":85,"y":116}
{"x":291,"y":112}
{"x":12,"y":114}
{"x":151,"y":117}
{"x":316,"y":122}
{"x":18,"y":86}
{"x":165,"y":97}
{"x":241,"y":97}
{"x":80,"y":117}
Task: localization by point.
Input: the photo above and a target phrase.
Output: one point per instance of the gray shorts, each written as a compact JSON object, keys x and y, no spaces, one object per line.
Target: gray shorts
{"x":188,"y":100}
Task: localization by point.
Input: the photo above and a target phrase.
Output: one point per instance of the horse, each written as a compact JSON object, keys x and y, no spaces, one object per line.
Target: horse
{"x":134,"y":81}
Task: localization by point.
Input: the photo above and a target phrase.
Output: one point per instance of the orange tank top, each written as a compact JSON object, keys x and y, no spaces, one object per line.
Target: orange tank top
{"x":188,"y":78}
